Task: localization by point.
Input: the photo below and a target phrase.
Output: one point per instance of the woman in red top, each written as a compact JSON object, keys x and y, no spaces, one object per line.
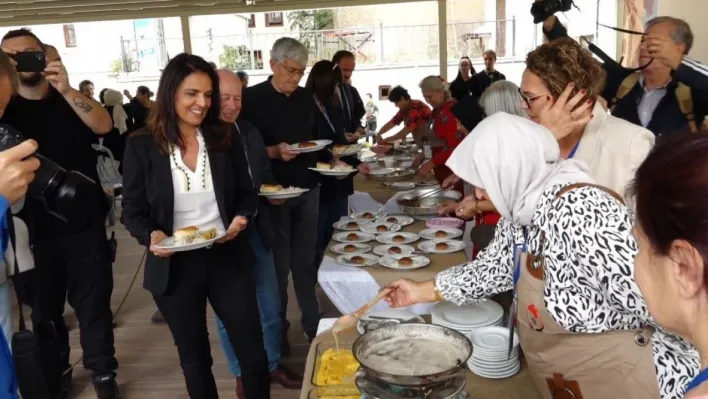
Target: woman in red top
{"x":443,"y":136}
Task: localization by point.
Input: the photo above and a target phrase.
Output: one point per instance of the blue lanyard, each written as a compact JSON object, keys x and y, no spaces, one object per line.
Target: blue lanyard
{"x":324,"y":112}
{"x":697,"y":380}
{"x":572,"y":152}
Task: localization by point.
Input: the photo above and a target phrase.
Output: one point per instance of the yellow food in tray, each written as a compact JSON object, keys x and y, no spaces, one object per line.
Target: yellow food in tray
{"x":337,"y":367}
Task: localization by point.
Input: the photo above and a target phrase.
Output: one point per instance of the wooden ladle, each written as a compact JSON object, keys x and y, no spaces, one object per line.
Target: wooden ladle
{"x":348,"y":321}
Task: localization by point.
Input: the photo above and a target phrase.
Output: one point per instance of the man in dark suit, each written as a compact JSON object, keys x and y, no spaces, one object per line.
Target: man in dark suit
{"x":352,"y":105}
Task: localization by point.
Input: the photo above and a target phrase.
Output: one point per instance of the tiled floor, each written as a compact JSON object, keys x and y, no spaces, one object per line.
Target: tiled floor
{"x":149,"y":365}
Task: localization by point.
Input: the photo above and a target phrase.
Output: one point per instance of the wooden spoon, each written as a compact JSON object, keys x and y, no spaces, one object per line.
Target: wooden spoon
{"x":349,"y":320}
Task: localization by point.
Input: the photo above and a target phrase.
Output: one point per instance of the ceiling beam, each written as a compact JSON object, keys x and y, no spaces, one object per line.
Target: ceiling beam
{"x":165,"y":11}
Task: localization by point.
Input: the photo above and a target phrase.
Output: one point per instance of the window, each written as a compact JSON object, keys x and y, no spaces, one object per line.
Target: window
{"x":69,"y":35}
{"x":252,"y":21}
{"x":274,"y":19}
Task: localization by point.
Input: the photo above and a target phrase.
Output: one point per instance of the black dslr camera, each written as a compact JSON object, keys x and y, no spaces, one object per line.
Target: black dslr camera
{"x":53,"y":185}
{"x":545,"y":8}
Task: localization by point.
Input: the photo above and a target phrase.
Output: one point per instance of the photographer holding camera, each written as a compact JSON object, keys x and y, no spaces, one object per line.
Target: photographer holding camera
{"x":65,"y":212}
{"x":668,"y":93}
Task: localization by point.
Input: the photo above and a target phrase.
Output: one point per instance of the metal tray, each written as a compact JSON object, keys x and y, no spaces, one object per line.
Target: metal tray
{"x":334,"y":393}
{"x":438,"y":199}
{"x":398,"y":175}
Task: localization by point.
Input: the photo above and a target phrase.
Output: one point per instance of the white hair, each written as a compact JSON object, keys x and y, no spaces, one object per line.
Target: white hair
{"x":290,"y":49}
{"x":502,"y":96}
{"x":434,"y":83}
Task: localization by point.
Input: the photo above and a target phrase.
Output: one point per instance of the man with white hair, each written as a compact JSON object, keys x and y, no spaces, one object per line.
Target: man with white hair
{"x":284,"y":114}
{"x":264,"y":268}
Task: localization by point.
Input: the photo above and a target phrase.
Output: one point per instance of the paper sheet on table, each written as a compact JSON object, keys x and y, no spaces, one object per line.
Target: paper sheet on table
{"x":350,"y":288}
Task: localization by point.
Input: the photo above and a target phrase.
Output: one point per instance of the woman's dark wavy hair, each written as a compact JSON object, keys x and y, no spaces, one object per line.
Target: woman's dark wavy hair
{"x":163,"y":120}
{"x":459,"y":73}
{"x":323,"y":80}
{"x":670,"y":189}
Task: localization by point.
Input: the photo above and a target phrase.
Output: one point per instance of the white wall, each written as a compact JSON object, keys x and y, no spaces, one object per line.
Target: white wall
{"x":695,"y":13}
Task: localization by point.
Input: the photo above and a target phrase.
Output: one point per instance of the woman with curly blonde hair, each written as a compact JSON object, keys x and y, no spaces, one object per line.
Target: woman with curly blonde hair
{"x":612,"y":148}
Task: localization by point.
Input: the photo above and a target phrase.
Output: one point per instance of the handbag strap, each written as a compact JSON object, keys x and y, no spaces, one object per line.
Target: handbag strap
{"x":19,"y":279}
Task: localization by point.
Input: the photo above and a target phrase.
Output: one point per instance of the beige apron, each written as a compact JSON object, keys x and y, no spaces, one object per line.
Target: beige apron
{"x":564,"y":365}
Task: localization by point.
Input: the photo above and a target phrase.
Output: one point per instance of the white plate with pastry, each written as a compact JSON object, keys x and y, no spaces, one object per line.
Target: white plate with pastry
{"x":394,"y":249}
{"x":350,"y":225}
{"x":353,"y":237}
{"x":276,"y":191}
{"x":442,"y":247}
{"x":380,"y":227}
{"x":358,"y":260}
{"x":403,"y":220}
{"x":368,"y":216}
{"x":310,"y":146}
{"x":189,"y":239}
{"x":397,"y":238}
{"x":345,"y":150}
{"x":441,"y":233}
{"x":404,"y":262}
{"x":349,"y":249}
{"x":328,"y":169}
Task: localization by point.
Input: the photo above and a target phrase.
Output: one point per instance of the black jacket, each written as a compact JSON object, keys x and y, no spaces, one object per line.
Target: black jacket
{"x":331,"y":186}
{"x":667,"y":117}
{"x":356,"y":108}
{"x":148,"y":198}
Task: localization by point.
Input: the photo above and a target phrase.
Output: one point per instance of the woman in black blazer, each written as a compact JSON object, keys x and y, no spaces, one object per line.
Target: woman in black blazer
{"x":324,"y":80}
{"x":185,"y":169}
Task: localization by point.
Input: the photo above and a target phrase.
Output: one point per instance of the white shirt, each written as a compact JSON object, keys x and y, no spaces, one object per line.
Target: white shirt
{"x":195,"y":200}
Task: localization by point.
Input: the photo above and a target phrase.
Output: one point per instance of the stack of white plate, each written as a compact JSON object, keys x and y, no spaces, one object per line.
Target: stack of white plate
{"x":490,"y":353}
{"x":468,"y":318}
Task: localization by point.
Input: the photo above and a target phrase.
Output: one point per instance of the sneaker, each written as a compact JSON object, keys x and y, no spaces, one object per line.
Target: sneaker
{"x":106,"y":388}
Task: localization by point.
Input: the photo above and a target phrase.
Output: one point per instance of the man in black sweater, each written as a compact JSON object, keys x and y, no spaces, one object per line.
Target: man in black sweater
{"x":484,"y":79}
{"x":284,"y":114}
{"x":650,"y":98}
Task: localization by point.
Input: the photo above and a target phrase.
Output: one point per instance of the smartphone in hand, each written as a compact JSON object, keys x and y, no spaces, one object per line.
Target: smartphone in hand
{"x":30,"y":61}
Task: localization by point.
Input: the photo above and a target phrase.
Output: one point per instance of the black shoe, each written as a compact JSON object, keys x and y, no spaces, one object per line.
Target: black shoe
{"x":106,"y":388}
{"x":285,"y":347}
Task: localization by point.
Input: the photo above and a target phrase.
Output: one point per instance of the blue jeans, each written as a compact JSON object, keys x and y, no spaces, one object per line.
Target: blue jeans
{"x":268,"y":306}
{"x":6,"y":309}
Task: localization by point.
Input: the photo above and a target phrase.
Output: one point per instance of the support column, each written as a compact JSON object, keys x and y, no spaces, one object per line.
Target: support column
{"x":186,"y":34}
{"x":442,"y":37}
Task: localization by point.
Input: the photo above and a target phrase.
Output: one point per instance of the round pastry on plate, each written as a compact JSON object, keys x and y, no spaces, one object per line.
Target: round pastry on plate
{"x":405,"y":261}
{"x":395,"y":250}
{"x":392,"y":220}
{"x":350,"y":248}
{"x":307,"y":144}
{"x":352,"y":225}
{"x":271,"y":188}
{"x":359,"y":260}
{"x":442,"y":246}
{"x":367,"y":215}
{"x":398,"y":238}
{"x":381,"y":228}
{"x":440,"y":234}
{"x":353,"y":237}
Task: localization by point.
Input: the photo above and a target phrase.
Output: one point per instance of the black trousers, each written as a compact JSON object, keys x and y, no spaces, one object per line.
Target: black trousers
{"x":214,"y":275}
{"x":77,"y":268}
{"x":294,"y":249}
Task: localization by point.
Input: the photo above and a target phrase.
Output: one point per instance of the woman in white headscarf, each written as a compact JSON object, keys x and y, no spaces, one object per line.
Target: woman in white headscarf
{"x":581,"y":318}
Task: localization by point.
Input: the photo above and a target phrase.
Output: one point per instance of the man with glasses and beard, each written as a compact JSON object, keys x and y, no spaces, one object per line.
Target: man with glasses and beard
{"x":284,"y":114}
{"x":72,"y":258}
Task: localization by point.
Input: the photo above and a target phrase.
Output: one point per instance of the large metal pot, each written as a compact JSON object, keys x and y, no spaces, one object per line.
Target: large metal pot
{"x":445,"y":335}
{"x":374,"y":388}
{"x":431,"y":204}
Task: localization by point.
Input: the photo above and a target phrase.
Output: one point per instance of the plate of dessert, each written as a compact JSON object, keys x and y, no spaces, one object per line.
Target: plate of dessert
{"x":310,"y":146}
{"x":442,"y":247}
{"x":397,"y":238}
{"x":441,"y":233}
{"x":403,"y":220}
{"x":276,"y":191}
{"x":344,"y":150}
{"x":348,"y":249}
{"x":190,"y":238}
{"x":380,"y":227}
{"x":393,"y":249}
{"x":328,"y":169}
{"x":350,"y":225}
{"x":358,"y":260}
{"x":353,"y":237}
{"x":368,"y":216}
{"x":404,"y":262}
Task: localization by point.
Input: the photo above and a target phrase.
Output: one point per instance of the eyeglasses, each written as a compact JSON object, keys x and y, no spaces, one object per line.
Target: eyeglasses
{"x":530,"y":99}
{"x":294,"y":71}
